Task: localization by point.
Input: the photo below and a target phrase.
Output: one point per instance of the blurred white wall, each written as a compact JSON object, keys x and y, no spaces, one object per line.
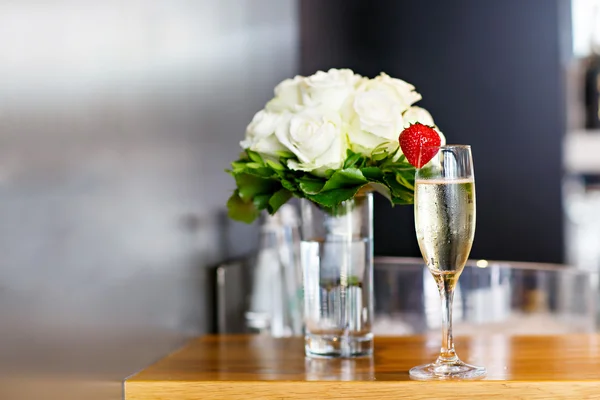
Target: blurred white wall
{"x":585,"y":20}
{"x":117,"y":119}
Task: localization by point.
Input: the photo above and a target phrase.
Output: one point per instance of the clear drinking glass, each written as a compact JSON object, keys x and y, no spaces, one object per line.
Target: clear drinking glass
{"x":337,"y":264}
{"x":445,"y":225}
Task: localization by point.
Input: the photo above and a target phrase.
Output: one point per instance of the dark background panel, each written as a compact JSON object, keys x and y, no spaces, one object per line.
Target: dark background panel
{"x":490,"y":73}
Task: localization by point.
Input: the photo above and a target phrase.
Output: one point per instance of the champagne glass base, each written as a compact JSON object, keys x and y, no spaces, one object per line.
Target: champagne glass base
{"x":455,"y":370}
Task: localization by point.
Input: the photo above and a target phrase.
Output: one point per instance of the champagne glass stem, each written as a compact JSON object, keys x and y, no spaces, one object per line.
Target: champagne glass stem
{"x":447,"y":353}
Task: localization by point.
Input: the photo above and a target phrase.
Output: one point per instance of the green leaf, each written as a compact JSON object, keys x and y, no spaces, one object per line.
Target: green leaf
{"x":395,"y":166}
{"x":406,"y":179}
{"x":381,"y":148}
{"x":254,"y":156}
{"x":399,"y":192}
{"x":333,"y":198}
{"x":253,"y":165}
{"x":379,"y":156}
{"x":395,"y":151}
{"x":382,"y":189}
{"x":285,"y":154}
{"x":352,"y":159}
{"x":275,"y":165}
{"x":251,"y":185}
{"x":278,"y":199}
{"x":329,"y":173}
{"x":238,"y":165}
{"x":310,"y":186}
{"x":261,"y":201}
{"x":384,"y":151}
{"x":289,"y":185}
{"x":263,"y":172}
{"x":403,"y":200}
{"x":372,"y":173}
{"x":240,"y":210}
{"x":344,"y":178}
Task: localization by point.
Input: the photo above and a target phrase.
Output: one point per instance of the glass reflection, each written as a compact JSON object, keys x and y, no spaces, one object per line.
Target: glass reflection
{"x":507,"y":298}
{"x":321,"y":369}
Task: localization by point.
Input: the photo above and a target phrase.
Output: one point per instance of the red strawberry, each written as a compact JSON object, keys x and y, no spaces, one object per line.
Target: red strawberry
{"x":413,"y":138}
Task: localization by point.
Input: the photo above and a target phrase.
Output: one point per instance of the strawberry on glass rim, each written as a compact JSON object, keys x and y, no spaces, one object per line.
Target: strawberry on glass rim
{"x":414,"y":138}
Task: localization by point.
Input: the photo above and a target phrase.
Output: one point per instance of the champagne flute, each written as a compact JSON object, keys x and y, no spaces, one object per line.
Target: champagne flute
{"x":445,"y":225}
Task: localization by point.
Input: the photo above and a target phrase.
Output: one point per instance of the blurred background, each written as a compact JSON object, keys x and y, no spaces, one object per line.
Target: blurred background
{"x":117,"y":120}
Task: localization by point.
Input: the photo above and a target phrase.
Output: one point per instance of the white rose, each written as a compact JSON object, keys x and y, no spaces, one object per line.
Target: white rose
{"x":376,"y":116}
{"x":417,"y":114}
{"x":287,"y":95}
{"x":329,"y":89}
{"x":378,"y":112}
{"x":404,"y":91}
{"x":316,"y":137}
{"x":260,"y":133}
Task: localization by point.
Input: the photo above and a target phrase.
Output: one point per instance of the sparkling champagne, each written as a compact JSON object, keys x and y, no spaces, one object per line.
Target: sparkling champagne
{"x":445,"y":224}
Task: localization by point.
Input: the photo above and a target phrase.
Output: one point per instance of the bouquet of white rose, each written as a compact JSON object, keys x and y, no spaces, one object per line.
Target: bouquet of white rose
{"x":324,"y":138}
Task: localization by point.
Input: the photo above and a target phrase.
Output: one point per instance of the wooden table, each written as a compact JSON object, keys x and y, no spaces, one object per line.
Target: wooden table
{"x":256,"y":367}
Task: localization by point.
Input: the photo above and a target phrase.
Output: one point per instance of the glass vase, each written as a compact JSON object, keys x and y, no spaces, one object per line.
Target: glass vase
{"x":337,"y":266}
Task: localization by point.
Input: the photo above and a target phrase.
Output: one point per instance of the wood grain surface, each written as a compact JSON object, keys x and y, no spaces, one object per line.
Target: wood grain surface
{"x":257,"y":367}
